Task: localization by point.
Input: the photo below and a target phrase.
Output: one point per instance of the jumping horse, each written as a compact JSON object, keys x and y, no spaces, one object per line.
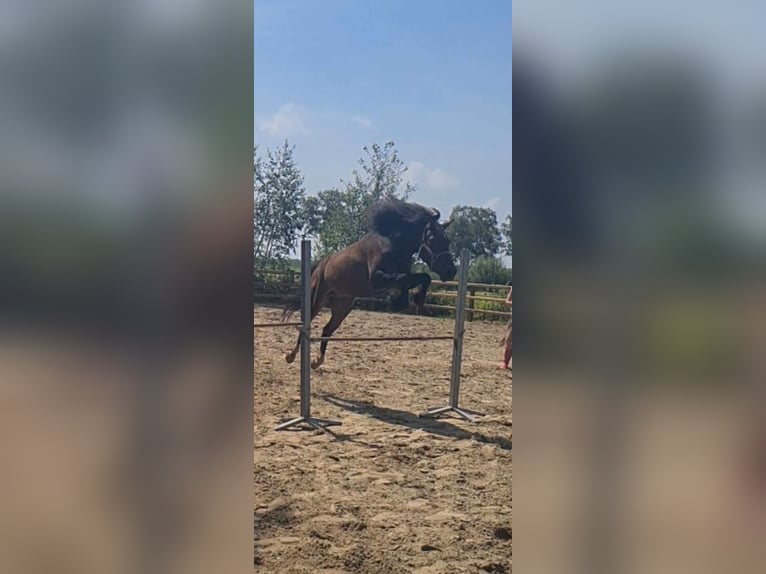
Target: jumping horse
{"x":379,"y":262}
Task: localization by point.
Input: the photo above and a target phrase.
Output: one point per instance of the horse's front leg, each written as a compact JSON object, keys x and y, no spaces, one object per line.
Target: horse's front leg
{"x":424,"y":281}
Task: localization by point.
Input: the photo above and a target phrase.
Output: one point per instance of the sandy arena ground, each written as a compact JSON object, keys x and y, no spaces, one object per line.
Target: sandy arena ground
{"x":395,"y":493}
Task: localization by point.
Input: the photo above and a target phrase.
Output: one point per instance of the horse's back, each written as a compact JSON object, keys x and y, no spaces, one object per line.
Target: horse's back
{"x":347,"y":272}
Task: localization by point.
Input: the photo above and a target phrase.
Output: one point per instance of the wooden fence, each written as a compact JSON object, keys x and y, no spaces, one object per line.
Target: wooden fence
{"x":272,"y":285}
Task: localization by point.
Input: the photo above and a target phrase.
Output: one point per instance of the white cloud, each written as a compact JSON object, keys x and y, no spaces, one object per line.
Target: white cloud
{"x":289,"y":119}
{"x":493,"y":202}
{"x":362,"y":121}
{"x":434,"y":179}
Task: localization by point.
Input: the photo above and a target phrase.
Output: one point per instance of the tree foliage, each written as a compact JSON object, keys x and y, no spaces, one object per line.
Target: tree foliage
{"x":340,"y":219}
{"x":278,"y":203}
{"x":310,"y":216}
{"x":490,"y":270}
{"x":336,"y":217}
{"x":475,"y":229}
{"x":341,"y":213}
{"x":506,"y":229}
{"x":382,"y":173}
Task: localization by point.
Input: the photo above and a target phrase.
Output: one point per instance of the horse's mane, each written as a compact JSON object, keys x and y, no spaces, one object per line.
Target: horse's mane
{"x":392,"y":217}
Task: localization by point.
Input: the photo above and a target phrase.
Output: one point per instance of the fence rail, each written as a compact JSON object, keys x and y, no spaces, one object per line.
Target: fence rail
{"x":291,"y":278}
{"x":295,"y":276}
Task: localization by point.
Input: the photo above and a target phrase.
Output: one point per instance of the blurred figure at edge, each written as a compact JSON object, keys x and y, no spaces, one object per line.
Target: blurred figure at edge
{"x":508,"y":339}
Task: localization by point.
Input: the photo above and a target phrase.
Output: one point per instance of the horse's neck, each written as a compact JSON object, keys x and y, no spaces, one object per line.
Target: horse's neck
{"x":408,"y":242}
{"x":403,"y":251}
{"x":398,"y":251}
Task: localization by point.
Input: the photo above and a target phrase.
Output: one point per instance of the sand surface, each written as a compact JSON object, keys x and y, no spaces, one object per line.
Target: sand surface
{"x":394,"y":493}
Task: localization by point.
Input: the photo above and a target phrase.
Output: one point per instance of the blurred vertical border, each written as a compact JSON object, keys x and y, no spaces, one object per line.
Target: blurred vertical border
{"x":126,"y":287}
{"x":639,"y":195}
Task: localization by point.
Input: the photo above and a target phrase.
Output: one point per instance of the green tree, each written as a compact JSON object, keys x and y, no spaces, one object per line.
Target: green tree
{"x":382,"y":174}
{"x":310,"y":216}
{"x":489,"y":270}
{"x":339,"y":223}
{"x":277,"y":204}
{"x":475,"y":229}
{"x":342,"y":212}
{"x":506,"y":229}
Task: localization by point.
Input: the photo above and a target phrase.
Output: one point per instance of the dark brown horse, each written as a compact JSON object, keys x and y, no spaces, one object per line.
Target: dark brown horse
{"x":381,"y":261}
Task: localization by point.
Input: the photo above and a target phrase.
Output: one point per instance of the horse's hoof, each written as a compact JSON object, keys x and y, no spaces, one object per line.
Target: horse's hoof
{"x":316,"y":364}
{"x":289,"y":357}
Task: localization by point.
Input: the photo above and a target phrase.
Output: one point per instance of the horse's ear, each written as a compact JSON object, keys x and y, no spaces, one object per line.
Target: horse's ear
{"x":435,"y":213}
{"x":446,"y":224}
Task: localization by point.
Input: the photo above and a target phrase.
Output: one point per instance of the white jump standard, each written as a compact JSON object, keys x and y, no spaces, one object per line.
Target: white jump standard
{"x":457,"y":349}
{"x":305,"y":417}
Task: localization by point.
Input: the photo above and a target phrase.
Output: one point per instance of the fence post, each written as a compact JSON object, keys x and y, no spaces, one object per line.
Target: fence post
{"x":471,"y":302}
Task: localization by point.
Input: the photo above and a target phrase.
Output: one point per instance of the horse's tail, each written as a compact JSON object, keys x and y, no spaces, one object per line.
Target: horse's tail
{"x":291,"y":307}
{"x":294,"y":304}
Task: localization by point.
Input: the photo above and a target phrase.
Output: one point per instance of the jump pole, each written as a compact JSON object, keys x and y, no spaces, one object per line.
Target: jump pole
{"x":306,"y":418}
{"x":457,"y":349}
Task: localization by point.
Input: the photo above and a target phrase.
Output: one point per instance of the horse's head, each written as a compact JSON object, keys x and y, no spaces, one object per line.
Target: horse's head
{"x":434,"y":249}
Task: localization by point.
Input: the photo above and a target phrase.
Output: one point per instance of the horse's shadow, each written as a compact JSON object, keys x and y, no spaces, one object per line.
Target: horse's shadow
{"x":413,"y":421}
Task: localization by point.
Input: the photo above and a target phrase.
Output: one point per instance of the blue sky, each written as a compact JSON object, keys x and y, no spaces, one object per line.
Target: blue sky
{"x":434,"y":76}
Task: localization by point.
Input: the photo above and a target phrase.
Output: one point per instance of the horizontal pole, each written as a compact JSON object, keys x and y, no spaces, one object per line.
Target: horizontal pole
{"x":264,"y":325}
{"x":437,"y":338}
{"x":412,"y":306}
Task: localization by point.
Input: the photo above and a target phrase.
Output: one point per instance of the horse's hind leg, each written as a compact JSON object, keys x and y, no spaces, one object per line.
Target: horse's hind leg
{"x":340,"y":310}
{"x":290,"y":356}
{"x":316,"y":307}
